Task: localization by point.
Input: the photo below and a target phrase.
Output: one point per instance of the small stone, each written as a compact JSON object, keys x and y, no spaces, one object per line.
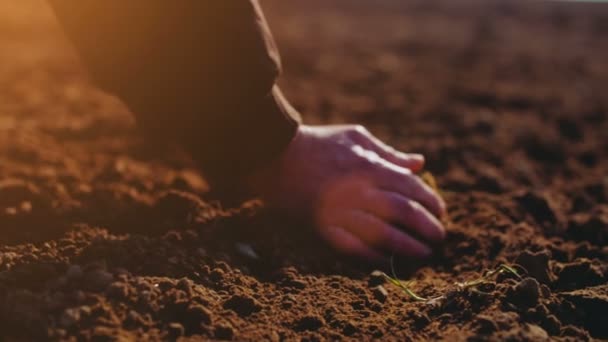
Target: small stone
{"x":294,"y":283}
{"x":165,"y":285}
{"x":421,"y":320}
{"x":199,"y":314}
{"x":486,"y":325}
{"x":243,"y":305}
{"x":380,"y":293}
{"x":376,"y":278}
{"x":375,"y":306}
{"x":552,"y":325}
{"x":537,"y":265}
{"x":217,"y":275}
{"x":224,"y":332}
{"x":535,"y":333}
{"x":185,"y":285}
{"x":309,"y":323}
{"x":526,"y":292}
{"x":349,"y":329}
{"x":175,"y":330}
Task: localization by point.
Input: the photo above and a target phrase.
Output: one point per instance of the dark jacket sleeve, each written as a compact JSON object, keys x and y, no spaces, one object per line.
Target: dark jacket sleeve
{"x":198,"y":72}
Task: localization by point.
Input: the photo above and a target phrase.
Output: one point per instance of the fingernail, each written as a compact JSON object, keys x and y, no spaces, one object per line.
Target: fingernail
{"x":417,"y":156}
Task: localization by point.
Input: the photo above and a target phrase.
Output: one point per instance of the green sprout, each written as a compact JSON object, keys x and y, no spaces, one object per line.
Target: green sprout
{"x":429,"y":179}
{"x":502,"y":268}
{"x":405,"y":286}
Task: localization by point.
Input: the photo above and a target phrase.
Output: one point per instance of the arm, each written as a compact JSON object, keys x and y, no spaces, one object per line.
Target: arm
{"x":201,"y":73}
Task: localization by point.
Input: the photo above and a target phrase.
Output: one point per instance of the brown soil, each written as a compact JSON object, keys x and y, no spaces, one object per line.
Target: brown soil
{"x":104,"y":236}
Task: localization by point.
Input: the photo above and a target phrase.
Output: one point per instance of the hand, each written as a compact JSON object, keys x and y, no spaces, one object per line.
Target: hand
{"x":362,"y":194}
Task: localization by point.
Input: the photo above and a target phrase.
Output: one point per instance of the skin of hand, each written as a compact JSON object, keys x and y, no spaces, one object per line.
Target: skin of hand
{"x":363,"y":195}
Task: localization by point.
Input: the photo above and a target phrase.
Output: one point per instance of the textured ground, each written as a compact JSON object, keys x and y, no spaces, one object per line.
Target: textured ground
{"x":104,"y":236}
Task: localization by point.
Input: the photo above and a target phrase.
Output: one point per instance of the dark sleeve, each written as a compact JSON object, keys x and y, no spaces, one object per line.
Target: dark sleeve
{"x":198,"y":72}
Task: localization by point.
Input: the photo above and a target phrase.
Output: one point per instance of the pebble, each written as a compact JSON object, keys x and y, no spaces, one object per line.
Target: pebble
{"x":224,"y":332}
{"x":380,"y":293}
{"x":217,"y":275}
{"x":243,"y":305}
{"x":309,"y":323}
{"x":537,"y":265}
{"x":527,"y":292}
{"x":535,"y":333}
{"x":486,"y":325}
{"x":199,"y":314}
{"x":376,"y":278}
{"x":294,"y":283}
{"x":185,"y":284}
{"x":552,"y":325}
{"x":175,"y":330}
{"x":349,"y":329}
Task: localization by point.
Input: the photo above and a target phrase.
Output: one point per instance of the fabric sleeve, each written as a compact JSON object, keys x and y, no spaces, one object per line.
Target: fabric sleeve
{"x":200,"y":73}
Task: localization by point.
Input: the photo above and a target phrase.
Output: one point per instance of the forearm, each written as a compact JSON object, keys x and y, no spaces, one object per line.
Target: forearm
{"x":198,"y":72}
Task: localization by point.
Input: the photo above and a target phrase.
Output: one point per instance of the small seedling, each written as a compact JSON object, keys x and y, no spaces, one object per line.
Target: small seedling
{"x":488,"y":275}
{"x":405,"y":286}
{"x":429,"y":179}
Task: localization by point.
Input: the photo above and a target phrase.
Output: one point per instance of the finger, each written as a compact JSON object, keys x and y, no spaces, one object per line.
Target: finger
{"x":380,"y":234}
{"x":347,"y":243}
{"x":396,"y":179}
{"x":395,"y":208}
{"x":412,"y":161}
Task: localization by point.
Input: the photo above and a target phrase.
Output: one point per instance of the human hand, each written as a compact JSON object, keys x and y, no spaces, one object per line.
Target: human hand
{"x":363,"y":195}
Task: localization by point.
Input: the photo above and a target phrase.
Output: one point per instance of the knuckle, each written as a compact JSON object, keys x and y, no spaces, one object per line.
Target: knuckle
{"x":366,"y":163}
{"x":358,"y":150}
{"x":356,"y":131}
{"x":408,"y":173}
{"x":416,"y":207}
{"x":408,"y":207}
{"x":360,"y":128}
